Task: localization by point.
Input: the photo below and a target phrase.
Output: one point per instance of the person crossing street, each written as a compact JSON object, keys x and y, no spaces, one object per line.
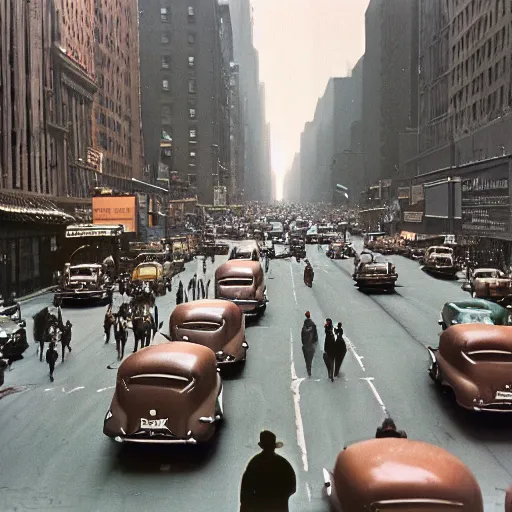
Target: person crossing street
{"x":51,"y":358}
{"x":309,"y":337}
{"x":340,"y":349}
{"x":329,"y":349}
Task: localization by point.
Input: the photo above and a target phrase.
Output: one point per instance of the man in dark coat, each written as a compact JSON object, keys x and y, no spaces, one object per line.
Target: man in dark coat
{"x":51,"y":358}
{"x":388,"y":429}
{"x":309,"y":336}
{"x":269,"y":479}
{"x":179,"y":294}
{"x":329,"y":349}
{"x":340,"y":349}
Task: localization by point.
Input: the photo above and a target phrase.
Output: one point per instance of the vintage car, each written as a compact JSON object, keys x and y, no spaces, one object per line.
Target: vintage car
{"x":166,"y":393}
{"x":13,"y":336}
{"x":371,"y":238}
{"x":336,"y":250}
{"x":326,"y":234}
{"x":474,"y":311}
{"x":242,"y":282}
{"x":216,"y":324}
{"x":246,"y":250}
{"x":474,"y":360}
{"x":375,"y":271}
{"x":401,"y":475}
{"x":312,"y":235}
{"x":489,"y":283}
{"x":440,"y":260}
{"x":276,"y":231}
{"x":297,"y":247}
{"x":153,"y":273}
{"x":85,"y":282}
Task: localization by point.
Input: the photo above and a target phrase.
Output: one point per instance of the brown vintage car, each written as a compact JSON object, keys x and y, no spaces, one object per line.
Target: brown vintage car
{"x":216,"y":324}
{"x":242,"y":282}
{"x":170,"y":393}
{"x":398,"y":475}
{"x":474,"y":360}
{"x":490,"y":284}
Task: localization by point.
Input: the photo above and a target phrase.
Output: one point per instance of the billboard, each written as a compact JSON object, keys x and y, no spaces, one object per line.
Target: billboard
{"x":437,"y":199}
{"x":114,"y":210}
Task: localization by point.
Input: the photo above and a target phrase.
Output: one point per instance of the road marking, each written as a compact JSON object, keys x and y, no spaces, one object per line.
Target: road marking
{"x":308,"y":491}
{"x":352,"y":349}
{"x":293,"y":286}
{"x":48,"y":389}
{"x":104,"y":389}
{"x":375,"y":393}
{"x":301,"y":439}
{"x":76,"y":389}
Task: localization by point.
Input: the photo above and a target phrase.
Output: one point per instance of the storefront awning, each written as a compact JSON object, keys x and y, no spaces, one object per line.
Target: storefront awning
{"x":18,"y":207}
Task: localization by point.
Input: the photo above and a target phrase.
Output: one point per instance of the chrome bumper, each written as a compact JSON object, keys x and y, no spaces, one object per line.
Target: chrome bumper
{"x":122,"y":440}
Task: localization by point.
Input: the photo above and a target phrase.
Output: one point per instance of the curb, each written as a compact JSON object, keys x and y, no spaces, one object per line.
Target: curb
{"x":38,"y":293}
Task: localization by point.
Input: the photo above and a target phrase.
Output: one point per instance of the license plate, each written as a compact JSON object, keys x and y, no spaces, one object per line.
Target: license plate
{"x":503,"y":395}
{"x":153,"y":424}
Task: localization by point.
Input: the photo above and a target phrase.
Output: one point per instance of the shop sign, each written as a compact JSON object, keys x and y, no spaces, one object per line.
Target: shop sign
{"x":82,"y":233}
{"x":486,"y":202}
{"x":116,"y":210}
{"x":417,"y":194}
{"x":404,"y":192}
{"x":413,"y":216}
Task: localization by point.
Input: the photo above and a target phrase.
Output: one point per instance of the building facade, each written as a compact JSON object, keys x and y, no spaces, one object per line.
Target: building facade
{"x":183,"y":93}
{"x":116,"y":116}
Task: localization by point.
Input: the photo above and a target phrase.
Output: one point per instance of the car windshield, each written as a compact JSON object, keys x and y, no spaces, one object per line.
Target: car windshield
{"x":487,"y":275}
{"x":475,"y":317}
{"x":146,"y":271}
{"x":83,"y":272}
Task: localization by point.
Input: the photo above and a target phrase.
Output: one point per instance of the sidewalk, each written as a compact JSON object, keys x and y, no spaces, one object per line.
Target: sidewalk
{"x":37,"y":293}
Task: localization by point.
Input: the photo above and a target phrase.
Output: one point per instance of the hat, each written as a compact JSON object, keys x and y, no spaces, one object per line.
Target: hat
{"x":268,"y":441}
{"x":308,"y":314}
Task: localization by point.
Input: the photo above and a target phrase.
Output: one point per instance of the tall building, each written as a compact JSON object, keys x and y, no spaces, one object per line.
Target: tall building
{"x":390,"y":104}
{"x":291,"y":182}
{"x":465,"y":91}
{"x":252,"y":100}
{"x":183,"y":92}
{"x":117,"y":131}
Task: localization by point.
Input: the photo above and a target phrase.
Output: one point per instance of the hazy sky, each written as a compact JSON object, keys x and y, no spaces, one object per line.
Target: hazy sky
{"x":302,"y":43}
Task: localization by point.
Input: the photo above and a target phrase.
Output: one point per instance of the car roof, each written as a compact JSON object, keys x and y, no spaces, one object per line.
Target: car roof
{"x":207,"y":310}
{"x":86,"y":265}
{"x":176,"y":358}
{"x":475,"y":337}
{"x":393,"y":469}
{"x":476,"y":271}
{"x":475,"y":305}
{"x":239,"y":268}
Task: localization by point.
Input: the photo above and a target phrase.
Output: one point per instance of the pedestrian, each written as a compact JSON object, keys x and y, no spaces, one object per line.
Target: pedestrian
{"x":340,"y":349}
{"x":65,"y":338}
{"x":269,"y":479}
{"x":179,"y":294}
{"x":388,"y":429}
{"x":309,"y":337}
{"x":329,"y":349}
{"x":51,"y":358}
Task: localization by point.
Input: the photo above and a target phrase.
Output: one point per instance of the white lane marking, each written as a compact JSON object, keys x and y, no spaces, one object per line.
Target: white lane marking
{"x":48,"y":389}
{"x":104,"y":389}
{"x":308,"y":492}
{"x":301,"y":439}
{"x":293,"y":285}
{"x":324,"y":270}
{"x":76,"y":389}
{"x":375,"y":393}
{"x":352,"y":349}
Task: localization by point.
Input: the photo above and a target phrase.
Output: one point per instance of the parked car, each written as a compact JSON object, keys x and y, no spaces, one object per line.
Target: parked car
{"x":474,"y":311}
{"x":375,"y":271}
{"x":474,"y":361}
{"x":168,"y":393}
{"x":242,"y":282}
{"x":336,"y":250}
{"x":85,"y":282}
{"x":401,"y":475}
{"x":489,"y":283}
{"x":152,"y":272}
{"x":216,"y":324}
{"x":13,"y":337}
{"x":440,"y":261}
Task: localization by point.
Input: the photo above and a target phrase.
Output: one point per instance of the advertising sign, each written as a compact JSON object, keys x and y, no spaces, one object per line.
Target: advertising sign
{"x":417,"y":194}
{"x":486,"y":202}
{"x":413,"y":216}
{"x":115,"y":210}
{"x":83,"y":233}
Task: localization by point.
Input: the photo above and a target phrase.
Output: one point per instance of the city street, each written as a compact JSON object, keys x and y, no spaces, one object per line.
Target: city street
{"x":54,"y":455}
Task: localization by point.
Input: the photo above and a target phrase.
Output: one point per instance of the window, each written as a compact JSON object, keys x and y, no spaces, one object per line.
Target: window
{"x":192,"y":133}
{"x":166,"y":114}
{"x":191,"y":62}
{"x":168,"y":152}
{"x":191,"y":38}
{"x":164,"y":15}
{"x":192,"y":113}
{"x":192,"y":160}
{"x":165,"y":61}
{"x":191,"y":15}
{"x":192,"y":85}
{"x":192,"y":179}
{"x":164,"y":38}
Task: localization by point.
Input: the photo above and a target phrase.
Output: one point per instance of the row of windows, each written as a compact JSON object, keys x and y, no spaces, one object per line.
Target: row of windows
{"x":165,"y":14}
{"x":192,"y":85}
{"x":166,"y":61}
{"x":473,"y":10}
{"x":165,"y":38}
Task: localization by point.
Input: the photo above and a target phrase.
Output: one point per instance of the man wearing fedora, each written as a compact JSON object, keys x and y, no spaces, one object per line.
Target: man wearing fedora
{"x":269,"y":479}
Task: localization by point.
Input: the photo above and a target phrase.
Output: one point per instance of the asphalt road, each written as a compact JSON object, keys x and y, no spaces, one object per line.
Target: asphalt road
{"x":54,"y":456}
